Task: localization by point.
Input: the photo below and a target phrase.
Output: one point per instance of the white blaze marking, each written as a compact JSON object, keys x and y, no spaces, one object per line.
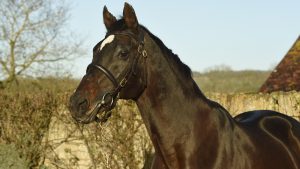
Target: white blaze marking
{"x":106,"y":41}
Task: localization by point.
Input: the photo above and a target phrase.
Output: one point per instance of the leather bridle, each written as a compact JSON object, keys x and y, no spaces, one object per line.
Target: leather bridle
{"x":109,"y":99}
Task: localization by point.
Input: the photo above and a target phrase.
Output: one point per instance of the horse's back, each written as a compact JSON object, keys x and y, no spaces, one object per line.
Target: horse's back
{"x":276,"y":133}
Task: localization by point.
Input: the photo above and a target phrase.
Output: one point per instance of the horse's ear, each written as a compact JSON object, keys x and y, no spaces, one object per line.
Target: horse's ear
{"x":130,"y":17}
{"x":108,"y":18}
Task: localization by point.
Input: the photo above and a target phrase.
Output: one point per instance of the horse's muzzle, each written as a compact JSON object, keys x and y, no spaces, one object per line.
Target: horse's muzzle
{"x":78,"y":107}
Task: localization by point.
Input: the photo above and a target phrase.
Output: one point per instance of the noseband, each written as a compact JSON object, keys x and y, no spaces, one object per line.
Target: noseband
{"x":109,"y":99}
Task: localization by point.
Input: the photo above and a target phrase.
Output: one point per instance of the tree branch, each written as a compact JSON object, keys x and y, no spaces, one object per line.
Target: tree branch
{"x":33,"y":32}
{"x":48,"y":60}
{"x":4,"y":66}
{"x":22,"y":28}
{"x":33,"y":56}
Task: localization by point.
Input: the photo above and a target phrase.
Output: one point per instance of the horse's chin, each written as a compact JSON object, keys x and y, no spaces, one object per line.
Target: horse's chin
{"x":91,"y":115}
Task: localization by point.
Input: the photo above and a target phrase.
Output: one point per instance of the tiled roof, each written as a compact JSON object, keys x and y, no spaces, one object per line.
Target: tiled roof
{"x":286,"y":76}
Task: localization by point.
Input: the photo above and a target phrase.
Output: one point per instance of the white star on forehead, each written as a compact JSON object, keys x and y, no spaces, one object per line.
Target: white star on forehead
{"x":106,"y":41}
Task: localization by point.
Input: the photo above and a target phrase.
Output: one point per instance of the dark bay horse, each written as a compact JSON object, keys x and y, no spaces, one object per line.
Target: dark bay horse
{"x":188,"y":130}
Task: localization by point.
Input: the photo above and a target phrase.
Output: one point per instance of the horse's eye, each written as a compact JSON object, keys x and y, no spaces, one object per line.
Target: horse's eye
{"x":124,"y":54}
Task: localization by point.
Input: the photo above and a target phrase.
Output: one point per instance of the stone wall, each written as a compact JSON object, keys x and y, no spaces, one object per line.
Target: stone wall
{"x":123,"y":142}
{"x":285,"y":102}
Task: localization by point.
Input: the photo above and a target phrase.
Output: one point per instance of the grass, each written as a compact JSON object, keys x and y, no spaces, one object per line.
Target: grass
{"x":231,"y":81}
{"x":53,"y":84}
{"x":221,"y":81}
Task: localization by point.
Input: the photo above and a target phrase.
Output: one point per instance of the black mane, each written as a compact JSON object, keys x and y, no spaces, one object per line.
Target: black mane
{"x":183,"y":67}
{"x":121,"y":26}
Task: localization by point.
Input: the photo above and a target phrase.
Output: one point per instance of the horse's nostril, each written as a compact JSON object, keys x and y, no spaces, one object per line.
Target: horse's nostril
{"x":83,"y":106}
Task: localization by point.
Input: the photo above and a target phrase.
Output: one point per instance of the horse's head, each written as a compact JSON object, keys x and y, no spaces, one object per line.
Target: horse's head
{"x":117,"y":70}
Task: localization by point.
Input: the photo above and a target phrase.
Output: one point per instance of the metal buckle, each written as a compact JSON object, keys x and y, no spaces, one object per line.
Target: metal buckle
{"x":140,"y":49}
{"x":103,"y":101}
{"x":144,"y":53}
{"x":123,"y":82}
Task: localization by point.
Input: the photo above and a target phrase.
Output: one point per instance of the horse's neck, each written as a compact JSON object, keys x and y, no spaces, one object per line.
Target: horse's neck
{"x":174,"y":110}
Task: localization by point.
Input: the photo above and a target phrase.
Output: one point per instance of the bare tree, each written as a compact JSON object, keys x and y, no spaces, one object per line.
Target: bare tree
{"x":33,"y":35}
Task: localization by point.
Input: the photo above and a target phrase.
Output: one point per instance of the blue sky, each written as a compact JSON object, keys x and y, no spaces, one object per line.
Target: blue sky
{"x":241,"y":34}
